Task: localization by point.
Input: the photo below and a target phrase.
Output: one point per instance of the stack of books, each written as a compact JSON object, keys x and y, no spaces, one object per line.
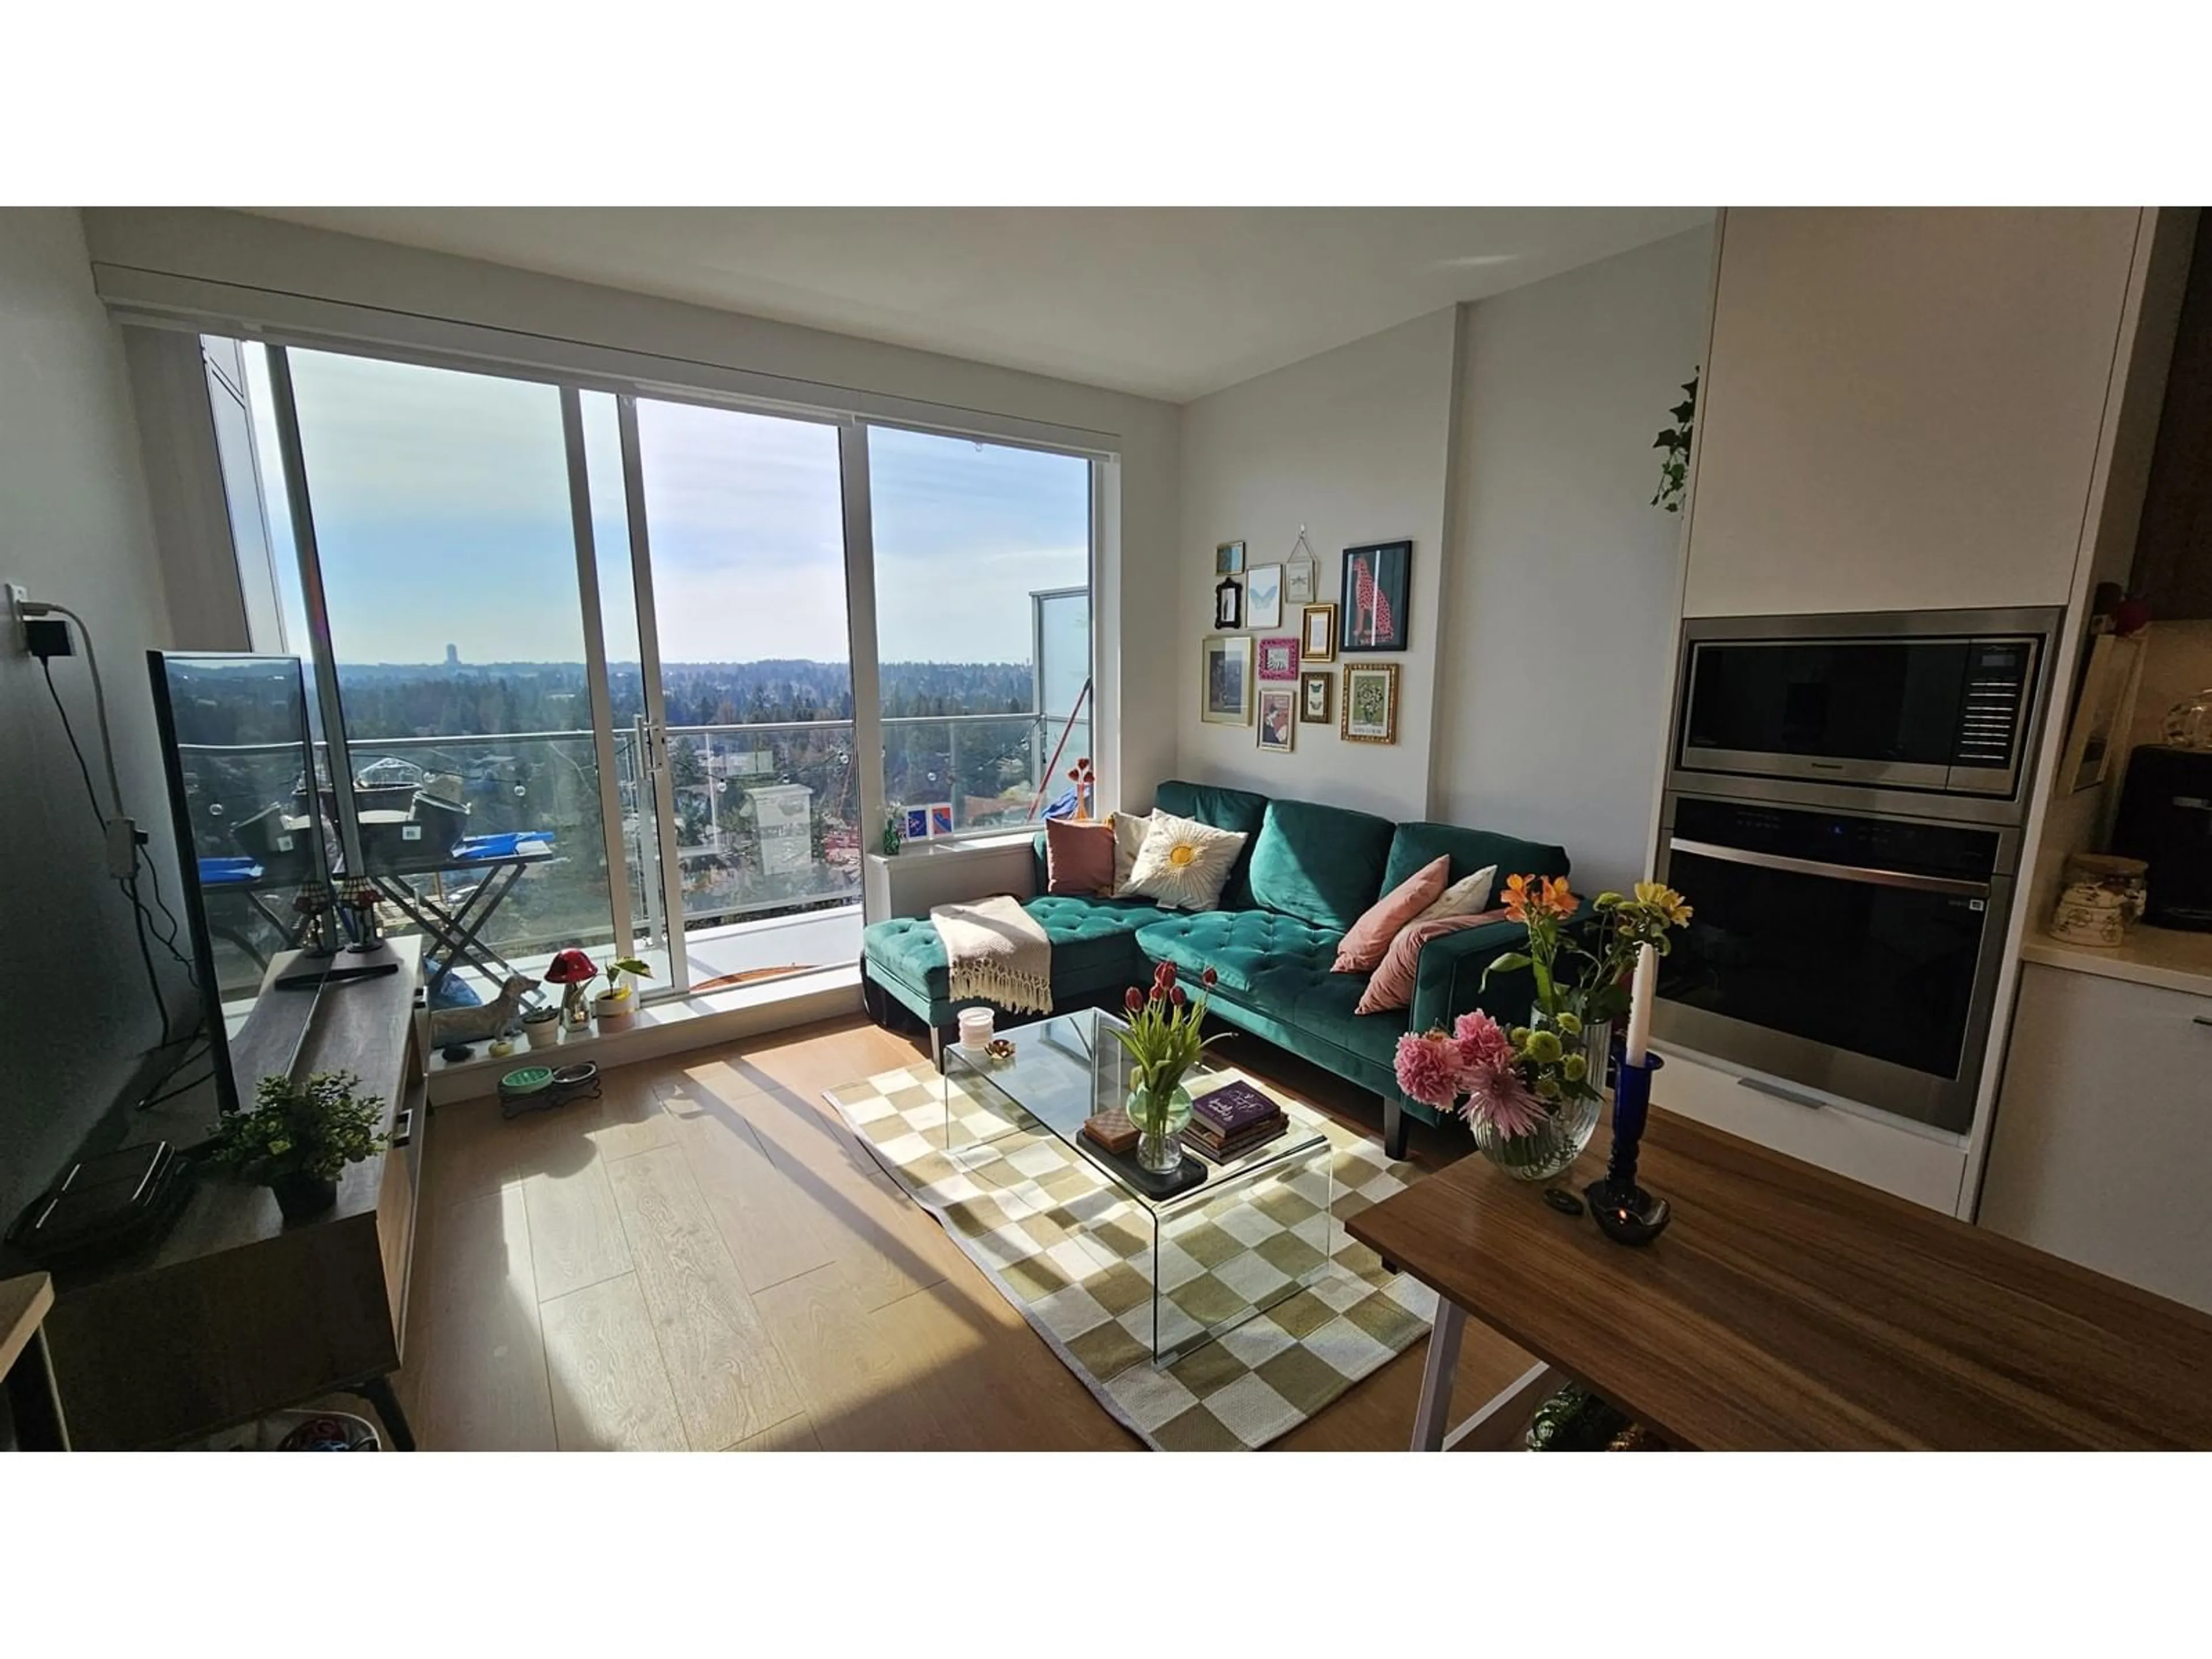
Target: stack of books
{"x":1232,"y":1120}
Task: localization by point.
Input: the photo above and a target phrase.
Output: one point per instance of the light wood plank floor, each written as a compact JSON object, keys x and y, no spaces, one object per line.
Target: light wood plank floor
{"x":704,"y":1258}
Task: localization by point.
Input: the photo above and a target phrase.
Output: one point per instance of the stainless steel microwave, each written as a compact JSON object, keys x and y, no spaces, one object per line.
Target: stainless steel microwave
{"x":1943,"y":702}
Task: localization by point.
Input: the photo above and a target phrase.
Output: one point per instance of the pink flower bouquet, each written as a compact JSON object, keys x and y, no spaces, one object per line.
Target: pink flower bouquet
{"x":1473,"y":1069}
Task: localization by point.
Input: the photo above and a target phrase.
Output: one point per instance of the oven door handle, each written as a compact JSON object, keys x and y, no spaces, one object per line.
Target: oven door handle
{"x":1904,"y":879}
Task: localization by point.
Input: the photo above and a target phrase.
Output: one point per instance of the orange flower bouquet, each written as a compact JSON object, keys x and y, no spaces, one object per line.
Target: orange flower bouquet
{"x":1532,"y":1093}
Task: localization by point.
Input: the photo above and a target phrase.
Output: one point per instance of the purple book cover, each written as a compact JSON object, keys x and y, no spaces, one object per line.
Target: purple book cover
{"x":1234,"y":1106}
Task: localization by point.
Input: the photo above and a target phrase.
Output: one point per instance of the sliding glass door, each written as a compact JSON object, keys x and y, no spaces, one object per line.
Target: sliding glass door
{"x":443,"y":542}
{"x":589,"y":657}
{"x":747,"y":688}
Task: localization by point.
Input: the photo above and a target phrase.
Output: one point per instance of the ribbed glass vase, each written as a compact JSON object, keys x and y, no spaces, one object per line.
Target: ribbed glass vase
{"x":1554,"y":1146}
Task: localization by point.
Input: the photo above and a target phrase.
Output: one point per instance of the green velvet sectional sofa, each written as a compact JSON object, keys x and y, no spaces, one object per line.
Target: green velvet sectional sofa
{"x":1306,"y":873}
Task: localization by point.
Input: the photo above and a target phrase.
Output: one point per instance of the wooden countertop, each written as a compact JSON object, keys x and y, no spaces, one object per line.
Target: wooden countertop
{"x":23,"y":1304}
{"x":1788,"y":1308}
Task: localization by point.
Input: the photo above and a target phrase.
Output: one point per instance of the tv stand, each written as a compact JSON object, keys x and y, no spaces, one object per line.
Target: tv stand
{"x":232,"y":1312}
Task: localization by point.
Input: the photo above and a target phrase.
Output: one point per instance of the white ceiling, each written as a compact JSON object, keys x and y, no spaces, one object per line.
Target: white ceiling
{"x":1168,"y":302}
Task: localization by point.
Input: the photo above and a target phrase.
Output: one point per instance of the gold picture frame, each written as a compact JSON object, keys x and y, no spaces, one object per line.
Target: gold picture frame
{"x":1318,"y":619}
{"x":1368,"y":711}
{"x":1225,"y":679}
{"x":1279,"y":719}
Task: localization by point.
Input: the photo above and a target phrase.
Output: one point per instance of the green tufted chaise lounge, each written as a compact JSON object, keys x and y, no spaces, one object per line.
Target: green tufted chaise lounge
{"x":1307,"y":872}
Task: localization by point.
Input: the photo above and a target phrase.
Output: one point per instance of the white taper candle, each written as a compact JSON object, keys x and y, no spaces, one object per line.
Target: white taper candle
{"x":1645,"y":991}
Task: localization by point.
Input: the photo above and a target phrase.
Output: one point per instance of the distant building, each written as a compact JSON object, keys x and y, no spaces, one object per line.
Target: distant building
{"x":453,"y":658}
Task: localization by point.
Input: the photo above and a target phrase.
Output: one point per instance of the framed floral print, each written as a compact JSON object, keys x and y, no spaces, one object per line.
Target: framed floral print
{"x":1370,"y":702}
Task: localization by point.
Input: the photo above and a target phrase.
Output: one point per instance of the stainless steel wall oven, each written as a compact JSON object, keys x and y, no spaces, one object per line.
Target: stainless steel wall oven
{"x":1843,"y":813}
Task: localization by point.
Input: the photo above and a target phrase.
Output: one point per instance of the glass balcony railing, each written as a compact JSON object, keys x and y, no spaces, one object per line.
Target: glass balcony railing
{"x":766,"y":817}
{"x":989,"y":768}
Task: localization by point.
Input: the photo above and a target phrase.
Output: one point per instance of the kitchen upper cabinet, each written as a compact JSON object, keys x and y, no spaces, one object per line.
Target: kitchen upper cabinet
{"x":1901,"y":407}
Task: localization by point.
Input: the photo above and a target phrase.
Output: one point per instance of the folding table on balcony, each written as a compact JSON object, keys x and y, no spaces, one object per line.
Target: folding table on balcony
{"x":455,"y":930}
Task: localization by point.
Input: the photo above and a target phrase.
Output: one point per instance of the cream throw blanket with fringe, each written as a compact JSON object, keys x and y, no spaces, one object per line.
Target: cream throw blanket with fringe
{"x":994,"y":950}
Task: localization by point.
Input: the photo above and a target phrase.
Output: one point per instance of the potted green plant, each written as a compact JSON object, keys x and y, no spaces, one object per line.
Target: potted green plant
{"x":615,"y":1008}
{"x":299,"y":1136}
{"x":541,"y":1026}
{"x":1163,"y":1038}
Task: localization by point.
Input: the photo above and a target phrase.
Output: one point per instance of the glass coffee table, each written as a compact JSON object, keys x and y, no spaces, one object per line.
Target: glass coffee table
{"x":1212,"y":1264}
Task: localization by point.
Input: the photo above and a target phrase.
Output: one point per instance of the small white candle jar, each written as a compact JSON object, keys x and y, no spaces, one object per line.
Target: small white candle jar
{"x":975,"y":1028}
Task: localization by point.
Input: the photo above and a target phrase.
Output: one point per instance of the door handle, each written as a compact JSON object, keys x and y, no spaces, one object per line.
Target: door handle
{"x":1871,"y":877}
{"x":1759,"y":1085}
{"x":403,"y":1129}
{"x":2203,"y":1019}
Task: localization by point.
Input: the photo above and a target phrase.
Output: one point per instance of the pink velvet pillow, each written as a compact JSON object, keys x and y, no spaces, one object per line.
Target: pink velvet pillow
{"x":1370,"y":936}
{"x":1078,"y":858}
{"x":1393,"y":984}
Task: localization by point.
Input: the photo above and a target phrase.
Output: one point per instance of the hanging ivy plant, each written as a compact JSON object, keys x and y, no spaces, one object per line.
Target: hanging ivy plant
{"x":1675,"y":470}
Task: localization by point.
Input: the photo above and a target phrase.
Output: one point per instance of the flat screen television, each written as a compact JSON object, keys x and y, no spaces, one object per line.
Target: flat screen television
{"x":251,"y":834}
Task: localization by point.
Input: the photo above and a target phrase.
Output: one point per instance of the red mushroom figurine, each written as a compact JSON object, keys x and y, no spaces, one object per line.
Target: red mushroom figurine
{"x":572,"y":970}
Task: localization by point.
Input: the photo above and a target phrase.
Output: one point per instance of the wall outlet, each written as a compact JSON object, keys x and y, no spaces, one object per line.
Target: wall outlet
{"x":18,"y":640}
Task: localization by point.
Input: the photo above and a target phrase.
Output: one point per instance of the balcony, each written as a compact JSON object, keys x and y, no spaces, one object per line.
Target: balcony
{"x":764,"y":877}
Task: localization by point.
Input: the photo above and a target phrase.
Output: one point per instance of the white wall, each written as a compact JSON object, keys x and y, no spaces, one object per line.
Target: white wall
{"x":1354,"y":445}
{"x":75,"y":529}
{"x":1562,"y":580}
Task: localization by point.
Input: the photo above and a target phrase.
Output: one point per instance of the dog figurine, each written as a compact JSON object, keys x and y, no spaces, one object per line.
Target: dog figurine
{"x":451,"y":1026}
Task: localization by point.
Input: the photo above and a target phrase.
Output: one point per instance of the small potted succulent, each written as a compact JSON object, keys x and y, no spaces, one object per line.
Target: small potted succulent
{"x":572,"y":970}
{"x":299,"y":1138}
{"x":616,"y":1008}
{"x":541,"y":1026}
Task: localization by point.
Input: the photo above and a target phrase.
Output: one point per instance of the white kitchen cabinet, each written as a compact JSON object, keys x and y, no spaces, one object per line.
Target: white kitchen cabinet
{"x":2102,"y":1148}
{"x":1900,"y":408}
{"x":1924,"y":1165}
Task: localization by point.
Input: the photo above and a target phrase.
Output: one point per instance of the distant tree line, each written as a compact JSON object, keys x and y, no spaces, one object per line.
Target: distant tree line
{"x":429,"y":700}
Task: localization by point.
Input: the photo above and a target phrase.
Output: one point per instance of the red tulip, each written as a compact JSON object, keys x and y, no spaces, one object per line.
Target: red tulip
{"x":1134,"y":1000}
{"x":1157,"y":993}
{"x":1176,"y":995}
{"x":1207,"y":978}
{"x":1167,"y":974}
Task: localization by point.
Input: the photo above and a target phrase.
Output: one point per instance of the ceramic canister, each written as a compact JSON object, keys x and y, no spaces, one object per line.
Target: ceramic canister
{"x":2101,"y":898}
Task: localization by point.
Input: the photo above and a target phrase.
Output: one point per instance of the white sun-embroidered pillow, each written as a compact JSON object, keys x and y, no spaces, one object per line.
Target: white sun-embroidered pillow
{"x":1183,"y":864}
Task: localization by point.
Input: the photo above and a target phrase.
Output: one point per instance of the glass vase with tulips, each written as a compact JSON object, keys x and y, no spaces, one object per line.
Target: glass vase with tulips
{"x":1164,"y":1040}
{"x":1532,"y":1093}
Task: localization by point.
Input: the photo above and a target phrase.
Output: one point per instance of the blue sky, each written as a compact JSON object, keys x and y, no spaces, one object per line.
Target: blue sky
{"x":441,"y":514}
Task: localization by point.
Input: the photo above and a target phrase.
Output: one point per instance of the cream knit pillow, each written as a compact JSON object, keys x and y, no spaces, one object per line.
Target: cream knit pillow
{"x":1461,"y":899}
{"x":1184,"y":864}
{"x":1128,"y":836}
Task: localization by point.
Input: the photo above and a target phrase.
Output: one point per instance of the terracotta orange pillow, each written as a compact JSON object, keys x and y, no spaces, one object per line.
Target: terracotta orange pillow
{"x":1370,"y":936}
{"x":1078,"y":858}
{"x":1392,"y":985}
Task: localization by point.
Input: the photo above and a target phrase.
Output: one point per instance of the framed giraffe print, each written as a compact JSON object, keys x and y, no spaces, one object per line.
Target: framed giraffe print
{"x":1377,"y":594}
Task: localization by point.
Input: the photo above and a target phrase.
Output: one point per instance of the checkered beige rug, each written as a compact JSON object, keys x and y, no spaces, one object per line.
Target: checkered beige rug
{"x":1077,"y":1258}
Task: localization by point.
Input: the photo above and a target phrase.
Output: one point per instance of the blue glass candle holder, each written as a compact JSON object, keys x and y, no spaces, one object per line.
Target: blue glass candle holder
{"x":1625,"y":1213}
